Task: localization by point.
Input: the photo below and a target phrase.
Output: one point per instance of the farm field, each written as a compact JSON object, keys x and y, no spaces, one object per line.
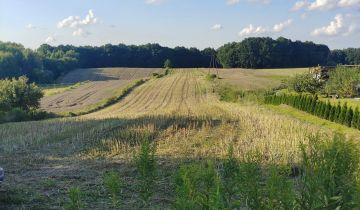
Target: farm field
{"x":182,"y":114}
{"x":92,"y":87}
{"x":255,"y":79}
{"x":106,"y":74}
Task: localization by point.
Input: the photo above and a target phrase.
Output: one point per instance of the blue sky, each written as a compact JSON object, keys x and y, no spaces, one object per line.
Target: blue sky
{"x":190,"y":23}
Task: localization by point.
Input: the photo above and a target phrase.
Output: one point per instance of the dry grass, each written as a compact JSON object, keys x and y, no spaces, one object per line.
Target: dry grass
{"x":102,"y":84}
{"x":188,"y":122}
{"x":255,"y":79}
{"x":105,"y":74}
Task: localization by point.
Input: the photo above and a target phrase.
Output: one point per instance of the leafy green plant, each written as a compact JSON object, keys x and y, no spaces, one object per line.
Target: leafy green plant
{"x":279,"y":189}
{"x":112,"y":184}
{"x":305,"y":83}
{"x":75,"y":195}
{"x":329,"y":174}
{"x":198,"y":186}
{"x":146,"y":165}
{"x":230,"y":175}
{"x":342,"y":81}
{"x":250,"y":182}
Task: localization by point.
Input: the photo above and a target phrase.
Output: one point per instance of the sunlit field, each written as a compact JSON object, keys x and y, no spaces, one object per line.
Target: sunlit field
{"x":182,"y":114}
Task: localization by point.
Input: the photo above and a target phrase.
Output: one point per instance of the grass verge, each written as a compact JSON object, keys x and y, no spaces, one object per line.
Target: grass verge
{"x":301,"y":115}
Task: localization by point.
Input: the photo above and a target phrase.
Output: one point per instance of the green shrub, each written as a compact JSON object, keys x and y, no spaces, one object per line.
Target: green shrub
{"x":342,"y":81}
{"x":230,"y":175}
{"x":230,"y":94}
{"x":146,"y":166}
{"x":302,"y":83}
{"x":342,"y":116}
{"x":112,"y":184}
{"x":280,"y":193}
{"x":250,"y":182}
{"x":211,"y":77}
{"x":75,"y":202}
{"x":355,"y":119}
{"x":329,"y":174}
{"x":198,"y":186}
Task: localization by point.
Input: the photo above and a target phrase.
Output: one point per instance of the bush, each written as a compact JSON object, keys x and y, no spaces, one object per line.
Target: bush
{"x":329,"y":174}
{"x":211,"y":77}
{"x":112,"y":184}
{"x":230,"y":94}
{"x":340,"y":114}
{"x":198,"y":186}
{"x":305,"y":83}
{"x":75,"y":202}
{"x":146,"y":165}
{"x":17,"y":93}
{"x":342,"y":81}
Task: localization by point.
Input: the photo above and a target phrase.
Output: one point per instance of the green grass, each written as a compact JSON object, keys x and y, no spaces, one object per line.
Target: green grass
{"x":301,"y":115}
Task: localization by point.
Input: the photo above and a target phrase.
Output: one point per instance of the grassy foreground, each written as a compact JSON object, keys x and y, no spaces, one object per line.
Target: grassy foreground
{"x":65,"y":163}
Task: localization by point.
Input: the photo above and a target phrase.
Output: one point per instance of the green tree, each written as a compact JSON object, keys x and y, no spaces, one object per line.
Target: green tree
{"x":343,"y":112}
{"x":337,"y":113}
{"x":342,"y":81}
{"x":168,"y":64}
{"x":355,"y":119}
{"x":17,"y":93}
{"x":332,"y":113}
{"x":349,"y":116}
{"x":304,"y":83}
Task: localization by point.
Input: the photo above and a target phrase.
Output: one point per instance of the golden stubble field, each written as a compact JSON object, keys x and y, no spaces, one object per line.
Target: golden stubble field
{"x":180,"y":111}
{"x":93,"y":87}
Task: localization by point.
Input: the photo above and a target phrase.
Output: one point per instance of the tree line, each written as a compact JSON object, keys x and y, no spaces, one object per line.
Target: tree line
{"x":47,"y":63}
{"x":282,"y":53}
{"x":342,"y":114}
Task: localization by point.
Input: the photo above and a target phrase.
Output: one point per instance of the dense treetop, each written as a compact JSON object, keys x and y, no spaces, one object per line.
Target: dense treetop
{"x":46,"y":63}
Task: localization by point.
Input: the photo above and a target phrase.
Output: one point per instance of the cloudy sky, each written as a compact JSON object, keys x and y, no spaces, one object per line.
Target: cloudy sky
{"x":190,"y":23}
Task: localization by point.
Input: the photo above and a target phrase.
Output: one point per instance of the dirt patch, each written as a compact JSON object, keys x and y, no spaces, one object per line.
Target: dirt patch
{"x":83,"y":96}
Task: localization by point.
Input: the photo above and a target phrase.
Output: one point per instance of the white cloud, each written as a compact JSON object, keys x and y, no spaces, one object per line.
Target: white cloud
{"x":153,"y":1}
{"x":76,"y":21}
{"x":322,"y":4}
{"x":80,"y":32}
{"x":232,"y":2}
{"x":304,"y":16}
{"x":251,"y":30}
{"x":325,"y":4}
{"x":352,"y":29}
{"x":261,"y":1}
{"x":30,"y":26}
{"x":334,"y":28}
{"x":349,"y":3}
{"x":50,"y":39}
{"x":299,"y":5}
{"x":216,"y":27}
{"x":281,"y":26}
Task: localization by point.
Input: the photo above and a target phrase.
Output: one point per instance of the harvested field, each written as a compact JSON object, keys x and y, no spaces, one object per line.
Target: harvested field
{"x":105,"y":74}
{"x":44,"y":159}
{"x":104,"y":84}
{"x":83,"y":96}
{"x":254,"y":79}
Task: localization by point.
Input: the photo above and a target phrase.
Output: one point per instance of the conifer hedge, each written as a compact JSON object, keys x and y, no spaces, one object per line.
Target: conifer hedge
{"x":342,"y":114}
